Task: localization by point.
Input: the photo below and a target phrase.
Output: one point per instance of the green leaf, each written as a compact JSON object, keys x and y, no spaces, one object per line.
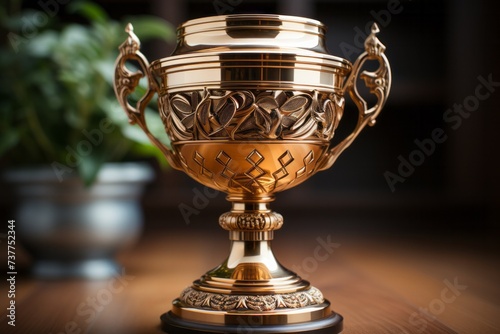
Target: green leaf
{"x":91,"y":11}
{"x":74,"y":118}
{"x":156,"y":126}
{"x":114,"y":112}
{"x":135,"y":134}
{"x":24,"y":19}
{"x":106,"y":69}
{"x":77,"y":36}
{"x":44,"y":44}
{"x":150,"y":151}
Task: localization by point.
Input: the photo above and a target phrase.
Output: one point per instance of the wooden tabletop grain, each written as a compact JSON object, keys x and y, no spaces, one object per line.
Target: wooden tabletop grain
{"x":379,"y":283}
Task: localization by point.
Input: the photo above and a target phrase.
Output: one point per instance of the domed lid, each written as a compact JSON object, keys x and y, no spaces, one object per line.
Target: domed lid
{"x":251,"y":51}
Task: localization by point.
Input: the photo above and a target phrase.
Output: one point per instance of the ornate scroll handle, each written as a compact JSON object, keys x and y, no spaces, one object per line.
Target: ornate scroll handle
{"x":379,"y":83}
{"x":125,"y":83}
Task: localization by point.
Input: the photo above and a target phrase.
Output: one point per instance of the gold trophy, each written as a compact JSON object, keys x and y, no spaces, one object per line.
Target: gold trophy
{"x":251,"y":103}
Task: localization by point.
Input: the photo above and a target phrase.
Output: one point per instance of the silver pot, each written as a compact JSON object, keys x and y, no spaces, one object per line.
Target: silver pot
{"x":75,"y":231}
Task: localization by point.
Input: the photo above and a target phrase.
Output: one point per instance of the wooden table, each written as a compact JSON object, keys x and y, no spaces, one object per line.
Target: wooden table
{"x":380,"y":283}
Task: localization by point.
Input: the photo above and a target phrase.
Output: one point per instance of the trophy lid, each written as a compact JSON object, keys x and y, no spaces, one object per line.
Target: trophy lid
{"x":250,"y":31}
{"x":252,"y":51}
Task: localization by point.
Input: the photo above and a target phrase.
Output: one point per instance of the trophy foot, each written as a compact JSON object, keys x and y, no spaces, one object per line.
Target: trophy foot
{"x":261,"y":323}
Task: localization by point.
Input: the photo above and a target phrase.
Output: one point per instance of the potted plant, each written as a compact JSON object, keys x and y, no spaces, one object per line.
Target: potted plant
{"x":64,"y":138}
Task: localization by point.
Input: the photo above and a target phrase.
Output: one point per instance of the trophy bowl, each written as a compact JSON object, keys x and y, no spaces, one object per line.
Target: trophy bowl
{"x":251,"y":103}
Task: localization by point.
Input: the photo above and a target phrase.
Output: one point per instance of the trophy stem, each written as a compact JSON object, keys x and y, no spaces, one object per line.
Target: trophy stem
{"x":251,"y":291}
{"x":251,"y":266}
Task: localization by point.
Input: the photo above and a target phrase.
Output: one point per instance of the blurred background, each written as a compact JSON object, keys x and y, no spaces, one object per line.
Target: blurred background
{"x":440,"y":51}
{"x":414,"y":201}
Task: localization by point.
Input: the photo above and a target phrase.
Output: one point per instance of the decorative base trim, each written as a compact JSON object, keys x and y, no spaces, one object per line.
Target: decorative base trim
{"x":225,"y":302}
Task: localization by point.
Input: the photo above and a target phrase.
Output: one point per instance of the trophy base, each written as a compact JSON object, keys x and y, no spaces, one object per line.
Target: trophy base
{"x":172,"y":324}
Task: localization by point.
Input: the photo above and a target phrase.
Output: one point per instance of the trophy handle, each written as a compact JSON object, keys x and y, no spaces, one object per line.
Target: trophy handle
{"x":379,"y":84}
{"x":126,"y":81}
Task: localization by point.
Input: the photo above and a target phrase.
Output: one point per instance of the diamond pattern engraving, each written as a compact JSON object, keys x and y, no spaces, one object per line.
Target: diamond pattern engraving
{"x":224,"y":159}
{"x":254,"y":159}
{"x":255,"y":172}
{"x":285,"y":159}
{"x":249,"y":172}
{"x":200,"y":161}
{"x":305,"y":170}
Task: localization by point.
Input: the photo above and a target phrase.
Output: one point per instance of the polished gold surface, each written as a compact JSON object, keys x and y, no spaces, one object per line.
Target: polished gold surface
{"x":251,"y":31}
{"x":251,"y":52}
{"x":251,"y":104}
{"x":250,"y":169}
